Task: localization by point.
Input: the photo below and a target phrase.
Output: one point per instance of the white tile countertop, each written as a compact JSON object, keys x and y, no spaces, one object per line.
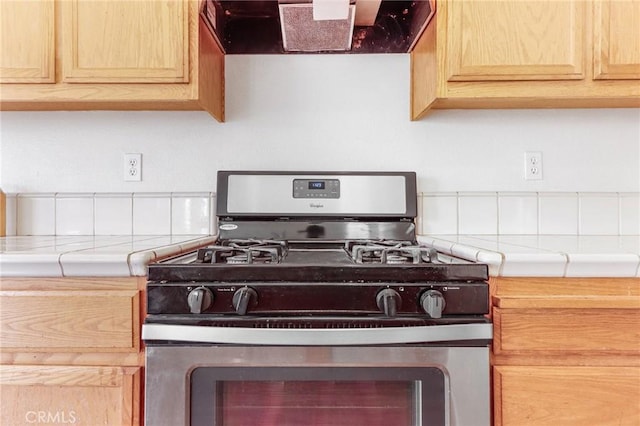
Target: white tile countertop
{"x":506,"y":255}
{"x":90,"y":255}
{"x":545,"y":255}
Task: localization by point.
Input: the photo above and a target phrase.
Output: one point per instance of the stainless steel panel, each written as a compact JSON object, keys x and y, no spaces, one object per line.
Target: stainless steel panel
{"x":317,"y":337}
{"x":168,"y":372}
{"x":359,"y":195}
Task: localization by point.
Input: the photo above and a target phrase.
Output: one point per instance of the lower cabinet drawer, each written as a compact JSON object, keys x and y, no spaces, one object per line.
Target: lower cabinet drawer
{"x":70,"y":321}
{"x":70,"y":395}
{"x":540,"y":396}
{"x":564,"y":331}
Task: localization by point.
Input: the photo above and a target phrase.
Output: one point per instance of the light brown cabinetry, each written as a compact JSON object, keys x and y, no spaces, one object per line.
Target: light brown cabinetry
{"x":616,"y":40}
{"x":71,"y":351}
{"x":499,"y":53}
{"x":566,"y":395}
{"x":109,"y":55}
{"x":27,"y":42}
{"x":128,"y":42}
{"x":566,"y":351}
{"x":70,"y":395}
{"x":514,"y":40}
{"x":94,"y":320}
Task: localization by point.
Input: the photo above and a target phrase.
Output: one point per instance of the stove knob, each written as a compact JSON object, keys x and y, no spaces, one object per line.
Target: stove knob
{"x":241,"y":299}
{"x":388,"y":301}
{"x":433,"y":303}
{"x":199,"y":299}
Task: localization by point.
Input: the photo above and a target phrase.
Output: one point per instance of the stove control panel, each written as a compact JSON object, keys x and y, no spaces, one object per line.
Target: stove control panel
{"x":429,"y":300}
{"x":316,"y":188}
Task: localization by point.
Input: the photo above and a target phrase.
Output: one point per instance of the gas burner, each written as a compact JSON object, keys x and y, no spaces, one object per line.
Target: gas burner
{"x":389,"y":252}
{"x":251,"y":243}
{"x":250,"y":255}
{"x":393,"y":259}
{"x":244,"y":252}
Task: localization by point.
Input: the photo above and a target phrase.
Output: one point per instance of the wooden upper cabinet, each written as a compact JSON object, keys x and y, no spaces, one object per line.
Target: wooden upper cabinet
{"x":125,"y":41}
{"x":515,"y":40}
{"x":616,"y":29}
{"x":27,"y":41}
{"x":528,"y":54}
{"x":109,"y":54}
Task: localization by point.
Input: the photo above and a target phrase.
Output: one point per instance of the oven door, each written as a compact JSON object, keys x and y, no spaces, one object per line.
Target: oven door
{"x":444,"y":382}
{"x":319,"y":395}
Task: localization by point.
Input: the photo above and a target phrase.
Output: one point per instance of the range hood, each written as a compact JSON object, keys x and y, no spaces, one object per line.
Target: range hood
{"x":304,"y":31}
{"x":297,"y":26}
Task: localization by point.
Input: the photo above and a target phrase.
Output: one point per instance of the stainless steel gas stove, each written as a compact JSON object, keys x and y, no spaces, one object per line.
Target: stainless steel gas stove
{"x":317,"y":279}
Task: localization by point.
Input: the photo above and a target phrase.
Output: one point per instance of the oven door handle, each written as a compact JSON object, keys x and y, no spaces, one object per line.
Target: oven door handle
{"x":318,"y":336}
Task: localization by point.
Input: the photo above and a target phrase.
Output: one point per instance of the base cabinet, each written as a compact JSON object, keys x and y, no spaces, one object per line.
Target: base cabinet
{"x":566,"y":351}
{"x":567,"y":395}
{"x":70,"y":395}
{"x":71,"y":351}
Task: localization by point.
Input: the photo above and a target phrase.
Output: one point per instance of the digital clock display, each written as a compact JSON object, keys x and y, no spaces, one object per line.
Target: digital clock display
{"x":316,"y":184}
{"x":316,"y":188}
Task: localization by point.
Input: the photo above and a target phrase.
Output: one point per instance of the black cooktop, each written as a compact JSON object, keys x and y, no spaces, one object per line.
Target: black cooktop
{"x":316,"y":265}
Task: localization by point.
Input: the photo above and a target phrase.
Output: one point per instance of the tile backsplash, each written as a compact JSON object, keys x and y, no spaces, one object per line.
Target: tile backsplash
{"x":530,"y":213}
{"x":158,"y":213}
{"x":193,"y":213}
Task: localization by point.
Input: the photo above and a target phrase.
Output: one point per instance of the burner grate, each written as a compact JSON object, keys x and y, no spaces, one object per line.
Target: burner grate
{"x":389,"y":252}
{"x":244,"y":252}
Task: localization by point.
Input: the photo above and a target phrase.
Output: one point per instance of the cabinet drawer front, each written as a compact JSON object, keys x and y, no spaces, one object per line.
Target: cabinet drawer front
{"x":564,"y":331}
{"x":69,"y":395}
{"x":566,"y":396}
{"x":70,"y":321}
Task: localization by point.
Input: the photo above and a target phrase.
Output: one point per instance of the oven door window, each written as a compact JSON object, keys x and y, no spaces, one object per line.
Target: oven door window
{"x":295,"y":396}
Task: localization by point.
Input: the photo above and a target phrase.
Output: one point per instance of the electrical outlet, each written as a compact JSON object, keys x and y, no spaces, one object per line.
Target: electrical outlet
{"x":133,"y":167}
{"x":533,"y":165}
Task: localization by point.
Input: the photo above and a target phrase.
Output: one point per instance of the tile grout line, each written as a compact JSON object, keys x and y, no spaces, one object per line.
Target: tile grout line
{"x":497,"y":213}
{"x":17,"y":217}
{"x":94,"y":214}
{"x":620,"y":214}
{"x":457,"y":213}
{"x":537,"y":208}
{"x":171,"y":213}
{"x":132,"y":210}
{"x":579,"y":210}
{"x":55,"y":215}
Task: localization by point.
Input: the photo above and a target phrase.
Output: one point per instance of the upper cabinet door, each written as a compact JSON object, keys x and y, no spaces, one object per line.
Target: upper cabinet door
{"x":27,"y":41}
{"x":125,"y":41}
{"x":515,"y":40}
{"x":616,"y":29}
